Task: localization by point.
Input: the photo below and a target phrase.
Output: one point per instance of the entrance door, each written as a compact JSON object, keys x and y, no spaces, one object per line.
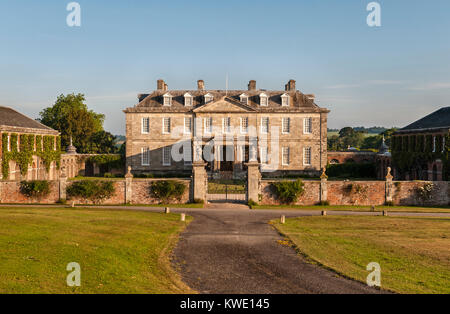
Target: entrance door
{"x":226,"y":158}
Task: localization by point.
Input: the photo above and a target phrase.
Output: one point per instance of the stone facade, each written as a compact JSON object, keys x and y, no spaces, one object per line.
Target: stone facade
{"x":227,"y":125}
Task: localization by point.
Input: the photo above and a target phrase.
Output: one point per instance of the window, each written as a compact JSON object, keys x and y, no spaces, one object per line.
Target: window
{"x":145,"y":125}
{"x":166,"y":125}
{"x":286,"y":125}
{"x":264,"y":155}
{"x":226,"y":125}
{"x":167,"y":100}
{"x":244,"y":99}
{"x":244,"y":125}
{"x":166,"y":156}
{"x":285,"y":100}
{"x":145,"y":156}
{"x":434,"y":144}
{"x":263,"y":100}
{"x":188,"y":100}
{"x":307,"y":156}
{"x":187,"y":156}
{"x":307,"y":125}
{"x":285,"y":158}
{"x":187,"y":125}
{"x":208,"y":125}
{"x":265,"y":125}
{"x":208,"y":98}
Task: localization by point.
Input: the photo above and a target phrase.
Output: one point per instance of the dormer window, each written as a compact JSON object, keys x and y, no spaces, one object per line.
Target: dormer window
{"x":244,"y":99}
{"x":167,"y":99}
{"x":285,"y":100}
{"x":208,"y":98}
{"x":263,"y":100}
{"x":188,"y":100}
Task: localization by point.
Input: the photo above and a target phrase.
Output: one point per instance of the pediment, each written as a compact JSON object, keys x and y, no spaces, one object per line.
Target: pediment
{"x":224,"y":104}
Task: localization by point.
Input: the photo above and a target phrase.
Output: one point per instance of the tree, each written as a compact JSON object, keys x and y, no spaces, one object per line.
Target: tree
{"x":71,"y":116}
{"x":102,"y":143}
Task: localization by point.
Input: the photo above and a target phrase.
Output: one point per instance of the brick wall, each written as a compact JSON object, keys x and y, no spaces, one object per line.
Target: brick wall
{"x":363,"y":193}
{"x":10,"y":193}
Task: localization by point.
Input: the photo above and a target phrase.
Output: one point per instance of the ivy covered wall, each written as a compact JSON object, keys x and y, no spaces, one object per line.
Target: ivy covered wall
{"x":417,"y":150}
{"x":22,"y":148}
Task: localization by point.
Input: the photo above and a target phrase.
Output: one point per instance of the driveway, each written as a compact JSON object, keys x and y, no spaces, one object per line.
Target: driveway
{"x":232,"y":250}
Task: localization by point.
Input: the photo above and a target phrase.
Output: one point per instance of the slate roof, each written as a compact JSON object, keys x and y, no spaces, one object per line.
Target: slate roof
{"x":154,"y":102}
{"x":11,"y":118}
{"x":439,"y":119}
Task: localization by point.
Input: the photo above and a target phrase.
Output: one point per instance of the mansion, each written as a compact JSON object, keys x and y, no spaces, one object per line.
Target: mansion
{"x":285,"y":131}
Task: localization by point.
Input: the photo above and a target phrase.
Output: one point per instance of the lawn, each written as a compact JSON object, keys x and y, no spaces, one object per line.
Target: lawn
{"x":226,"y":186}
{"x":414,"y":253}
{"x":411,"y":209}
{"x":118,"y":251}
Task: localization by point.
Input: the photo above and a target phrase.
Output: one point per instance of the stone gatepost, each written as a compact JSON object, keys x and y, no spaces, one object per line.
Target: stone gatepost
{"x":323,"y":186}
{"x":389,"y":186}
{"x":128,"y":188}
{"x":63,"y":184}
{"x":199,"y":178}
{"x":253,"y":181}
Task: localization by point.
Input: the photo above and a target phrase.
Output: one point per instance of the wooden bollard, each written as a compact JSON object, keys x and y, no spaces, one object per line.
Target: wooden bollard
{"x":167,"y":210}
{"x":385,"y":213}
{"x":283,"y":219}
{"x":372,"y":208}
{"x":183,"y":217}
{"x":324,"y":212}
{"x":73,"y":204}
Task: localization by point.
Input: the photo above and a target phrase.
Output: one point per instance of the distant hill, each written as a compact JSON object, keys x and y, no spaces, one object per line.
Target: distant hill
{"x":372,"y":130}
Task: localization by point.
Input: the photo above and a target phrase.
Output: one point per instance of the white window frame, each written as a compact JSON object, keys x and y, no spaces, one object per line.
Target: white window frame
{"x":206,"y":129}
{"x":305,"y":159}
{"x":187,"y":162}
{"x":283,"y":125}
{"x":285,"y":100}
{"x":434,"y":144}
{"x":242,"y":125}
{"x":283,"y":162}
{"x":145,"y":150}
{"x":264,"y":152}
{"x":164,"y":125}
{"x":165,"y":97}
{"x":262,"y":125}
{"x":208,"y":98}
{"x":244,"y":97}
{"x":185,"y":130}
{"x":307,"y":122}
{"x":226,"y":129}
{"x":261,"y":97}
{"x":188,"y":100}
{"x":164,"y":163}
{"x":142,"y":125}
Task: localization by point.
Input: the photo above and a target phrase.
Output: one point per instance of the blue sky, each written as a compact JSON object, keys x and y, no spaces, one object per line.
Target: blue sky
{"x":386,"y":76}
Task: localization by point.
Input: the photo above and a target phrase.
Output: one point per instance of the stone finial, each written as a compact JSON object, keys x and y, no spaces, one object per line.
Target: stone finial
{"x":71,"y":149}
{"x":324,"y":175}
{"x":389,"y":175}
{"x":129,"y":174}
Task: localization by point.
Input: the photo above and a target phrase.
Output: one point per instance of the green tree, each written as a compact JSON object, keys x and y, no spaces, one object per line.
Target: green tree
{"x":71,"y":116}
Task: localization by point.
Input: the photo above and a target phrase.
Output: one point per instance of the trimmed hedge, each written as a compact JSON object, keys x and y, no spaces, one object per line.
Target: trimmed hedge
{"x":288,"y":191}
{"x":94,"y":190}
{"x":167,"y":190}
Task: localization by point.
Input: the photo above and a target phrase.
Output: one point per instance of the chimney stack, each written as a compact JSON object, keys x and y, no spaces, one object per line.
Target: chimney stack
{"x":252,"y":85}
{"x":290,"y":86}
{"x":160,"y":84}
{"x":166,"y":87}
{"x":200,"y":85}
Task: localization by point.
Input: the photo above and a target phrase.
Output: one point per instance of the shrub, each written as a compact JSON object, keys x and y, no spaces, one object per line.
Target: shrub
{"x":94,"y":190}
{"x":35,"y":188}
{"x":167,"y":190}
{"x":424,"y":193}
{"x":252,"y":203}
{"x":289,"y":191}
{"x":198,"y":201}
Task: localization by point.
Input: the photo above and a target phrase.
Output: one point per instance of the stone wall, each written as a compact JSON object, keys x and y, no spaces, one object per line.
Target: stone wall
{"x":139,"y":193}
{"x":363,"y":193}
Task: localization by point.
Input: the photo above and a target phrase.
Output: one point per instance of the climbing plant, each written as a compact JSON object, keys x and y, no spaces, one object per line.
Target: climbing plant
{"x":23,"y":153}
{"x":409,"y":151}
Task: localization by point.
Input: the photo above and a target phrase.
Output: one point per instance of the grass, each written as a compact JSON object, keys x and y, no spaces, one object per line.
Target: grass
{"x":412,"y":209}
{"x":414,"y":253}
{"x":118,"y":251}
{"x":226,"y":186}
